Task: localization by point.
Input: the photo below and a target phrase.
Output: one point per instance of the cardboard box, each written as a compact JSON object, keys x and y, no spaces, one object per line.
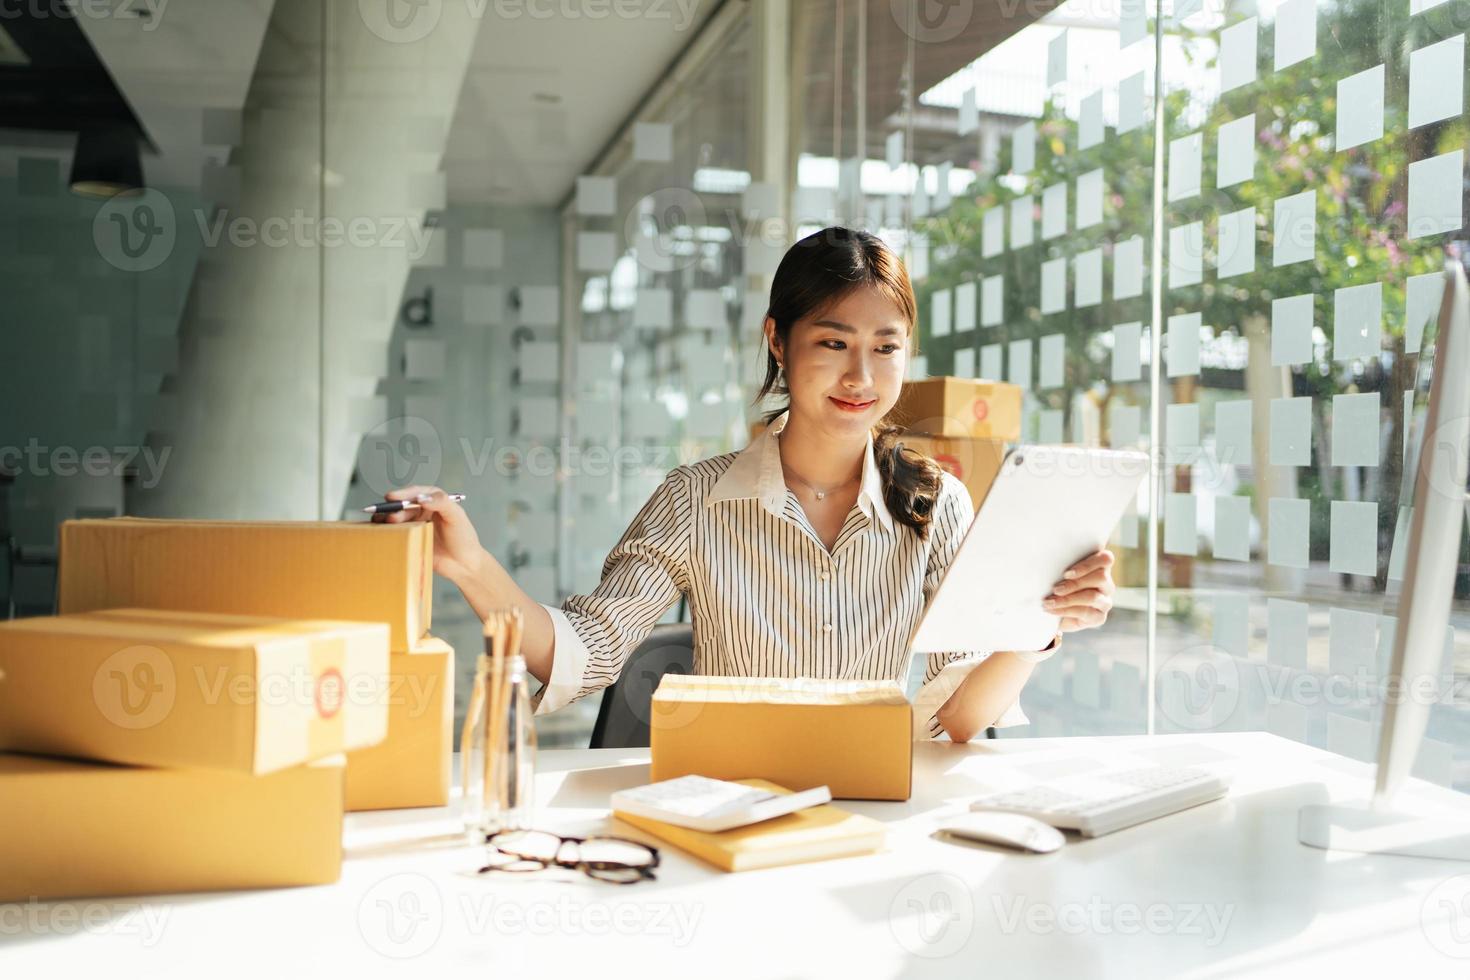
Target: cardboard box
{"x":411,"y":767}
{"x":856,"y":737}
{"x":378,"y":573}
{"x":79,"y":829}
{"x":974,"y":461}
{"x":233,"y":693}
{"x":959,"y":408}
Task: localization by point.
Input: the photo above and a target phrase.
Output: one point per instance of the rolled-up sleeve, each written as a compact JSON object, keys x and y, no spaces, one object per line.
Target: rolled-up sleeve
{"x":944,"y":672}
{"x":643,"y":576}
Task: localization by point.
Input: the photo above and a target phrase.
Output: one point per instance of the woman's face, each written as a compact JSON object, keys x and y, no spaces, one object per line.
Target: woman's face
{"x":845,"y":364}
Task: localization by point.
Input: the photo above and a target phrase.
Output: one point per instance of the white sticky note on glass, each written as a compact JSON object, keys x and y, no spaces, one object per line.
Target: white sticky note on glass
{"x":1019,"y":369}
{"x":1291,"y":330}
{"x":1286,"y":633}
{"x":1089,"y":278}
{"x":1288,"y":527}
{"x":540,"y":306}
{"x":1054,"y":286}
{"x":1399,"y":549}
{"x":1238,"y":54}
{"x":1053,"y":356}
{"x":964,"y":307}
{"x":654,"y":308}
{"x":1352,"y":642}
{"x":1291,"y":432}
{"x":1357,"y":321}
{"x":704,"y":309}
{"x":483,"y":305}
{"x":1124,"y":425}
{"x":990,"y":362}
{"x":1023,"y":220}
{"x":1132,"y":22}
{"x":942,"y":195}
{"x":597,"y":195}
{"x":1185,"y":157}
{"x":1354,"y":537}
{"x":1233,"y":432}
{"x":1127,"y":364}
{"x":483,"y":248}
{"x":992,"y":236}
{"x":540,"y":361}
{"x":1054,"y":211}
{"x":1436,"y":194}
{"x":969,"y":113}
{"x":1232,"y":528}
{"x":1023,"y":148}
{"x":1090,"y":199}
{"x":893,"y":149}
{"x":1181,"y":433}
{"x":1049,"y":427}
{"x":1090,"y":121}
{"x":596,"y":251}
{"x":1360,"y":108}
{"x":1435,"y":75}
{"x":1056,"y":59}
{"x":1130,"y":103}
{"x":1294,"y":229}
{"x":423,"y":360}
{"x":1355,"y":429}
{"x":1186,"y":252}
{"x":653,"y":142}
{"x":1181,"y":344}
{"x":964,"y":362}
{"x":992,"y":294}
{"x":1235,"y":151}
{"x":1180,"y":536}
{"x":939,"y":304}
{"x":1422,"y":296}
{"x":1419,"y":6}
{"x":1236,"y":249}
{"x":1128,"y":268}
{"x":1295,"y":32}
{"x":1230,"y":631}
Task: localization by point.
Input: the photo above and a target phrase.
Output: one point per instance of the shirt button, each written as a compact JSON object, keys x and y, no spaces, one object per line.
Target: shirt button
{"x":825,"y":576}
{"x":826,"y":627}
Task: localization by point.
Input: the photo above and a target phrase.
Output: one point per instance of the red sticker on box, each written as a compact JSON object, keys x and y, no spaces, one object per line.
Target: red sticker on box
{"x":329,"y":692}
{"x":981,"y":408}
{"x":950,"y":464}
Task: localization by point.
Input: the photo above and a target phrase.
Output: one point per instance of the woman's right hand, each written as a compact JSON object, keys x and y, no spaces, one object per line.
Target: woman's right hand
{"x":457,"y":549}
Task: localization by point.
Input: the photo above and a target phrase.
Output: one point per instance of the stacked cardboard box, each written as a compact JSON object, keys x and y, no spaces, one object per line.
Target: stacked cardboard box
{"x":374,"y":572}
{"x":964,"y":425}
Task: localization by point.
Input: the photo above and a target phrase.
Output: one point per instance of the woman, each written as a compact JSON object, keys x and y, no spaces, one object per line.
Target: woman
{"x":811,"y":552}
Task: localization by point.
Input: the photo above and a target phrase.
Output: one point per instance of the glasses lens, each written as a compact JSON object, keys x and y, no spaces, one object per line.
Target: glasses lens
{"x":500,"y":861}
{"x":612,"y":851}
{"x":617,"y":874}
{"x":534,"y":845}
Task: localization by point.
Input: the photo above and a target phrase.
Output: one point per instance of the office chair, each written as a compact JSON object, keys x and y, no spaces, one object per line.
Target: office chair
{"x":622,"y":719}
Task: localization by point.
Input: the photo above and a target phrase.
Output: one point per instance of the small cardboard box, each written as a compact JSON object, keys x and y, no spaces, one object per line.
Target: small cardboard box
{"x":411,"y":767}
{"x":377,"y":573}
{"x":78,"y":829}
{"x":855,"y":737}
{"x":959,"y":408}
{"x":233,"y":693}
{"x":974,"y":461}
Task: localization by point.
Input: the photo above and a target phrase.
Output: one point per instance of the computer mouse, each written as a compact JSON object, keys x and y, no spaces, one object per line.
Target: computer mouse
{"x":1007,"y":830}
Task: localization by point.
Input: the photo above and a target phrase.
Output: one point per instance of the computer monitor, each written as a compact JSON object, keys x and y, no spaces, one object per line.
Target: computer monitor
{"x":1439,"y":511}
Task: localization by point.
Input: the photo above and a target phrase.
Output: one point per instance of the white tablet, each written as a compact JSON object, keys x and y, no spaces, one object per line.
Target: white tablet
{"x":1049,"y":507}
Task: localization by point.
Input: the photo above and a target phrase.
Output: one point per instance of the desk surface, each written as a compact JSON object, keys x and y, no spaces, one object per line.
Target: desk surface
{"x":1223,"y":890}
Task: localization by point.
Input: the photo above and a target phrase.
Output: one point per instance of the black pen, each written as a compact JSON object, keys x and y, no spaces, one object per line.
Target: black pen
{"x":394,"y":506}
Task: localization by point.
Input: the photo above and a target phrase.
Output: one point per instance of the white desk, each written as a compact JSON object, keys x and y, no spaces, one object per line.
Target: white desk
{"x":1135,"y":904}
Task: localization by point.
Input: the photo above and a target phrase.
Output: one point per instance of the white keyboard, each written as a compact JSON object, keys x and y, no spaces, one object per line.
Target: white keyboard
{"x":1100,"y":803}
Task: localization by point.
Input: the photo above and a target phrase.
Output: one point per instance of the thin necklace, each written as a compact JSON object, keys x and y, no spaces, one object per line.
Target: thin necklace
{"x":822,"y":494}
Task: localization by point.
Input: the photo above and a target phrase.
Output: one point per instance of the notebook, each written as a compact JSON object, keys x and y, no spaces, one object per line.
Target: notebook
{"x":814,"y":834}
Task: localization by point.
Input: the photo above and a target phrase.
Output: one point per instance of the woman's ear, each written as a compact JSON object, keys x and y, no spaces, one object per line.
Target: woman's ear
{"x":773,"y":340}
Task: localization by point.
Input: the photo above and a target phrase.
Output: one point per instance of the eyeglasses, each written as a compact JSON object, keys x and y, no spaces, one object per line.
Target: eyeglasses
{"x":612,"y":859}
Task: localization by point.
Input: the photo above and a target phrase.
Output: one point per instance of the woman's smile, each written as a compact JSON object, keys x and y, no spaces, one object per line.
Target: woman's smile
{"x":852,"y":406}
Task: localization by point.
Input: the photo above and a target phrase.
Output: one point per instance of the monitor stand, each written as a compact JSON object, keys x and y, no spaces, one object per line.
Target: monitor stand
{"x":1366,"y":830}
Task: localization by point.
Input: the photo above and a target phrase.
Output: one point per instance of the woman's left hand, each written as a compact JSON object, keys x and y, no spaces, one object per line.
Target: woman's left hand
{"x":1085,"y":594}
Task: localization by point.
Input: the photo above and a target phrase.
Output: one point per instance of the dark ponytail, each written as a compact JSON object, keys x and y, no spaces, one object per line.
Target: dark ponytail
{"x":815,"y":273}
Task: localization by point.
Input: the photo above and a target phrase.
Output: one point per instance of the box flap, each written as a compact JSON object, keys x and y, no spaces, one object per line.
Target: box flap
{"x":777,"y":690}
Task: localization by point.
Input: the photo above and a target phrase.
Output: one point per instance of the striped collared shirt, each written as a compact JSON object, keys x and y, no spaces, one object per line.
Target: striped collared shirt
{"x":766,"y":596}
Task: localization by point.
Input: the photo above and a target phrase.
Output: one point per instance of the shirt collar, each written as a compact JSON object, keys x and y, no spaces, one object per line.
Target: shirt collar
{"x":756,"y":473}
